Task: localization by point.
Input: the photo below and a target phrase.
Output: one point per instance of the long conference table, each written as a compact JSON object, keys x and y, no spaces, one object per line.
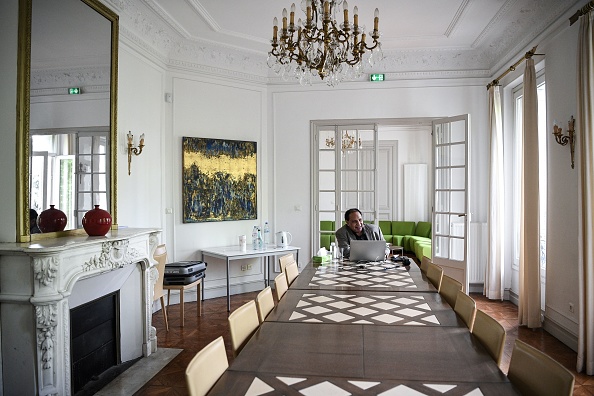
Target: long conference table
{"x":377,"y":329}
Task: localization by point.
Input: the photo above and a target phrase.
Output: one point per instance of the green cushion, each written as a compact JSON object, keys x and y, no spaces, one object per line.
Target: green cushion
{"x":386,"y":227}
{"x":423,"y":229}
{"x":403,"y":228}
{"x":423,"y":249}
{"x":327,"y":225}
{"x":397,"y":240}
{"x":325,"y":240}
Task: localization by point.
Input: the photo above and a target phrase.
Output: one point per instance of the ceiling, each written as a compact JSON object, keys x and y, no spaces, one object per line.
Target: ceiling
{"x":420,"y":38}
{"x":421,"y":35}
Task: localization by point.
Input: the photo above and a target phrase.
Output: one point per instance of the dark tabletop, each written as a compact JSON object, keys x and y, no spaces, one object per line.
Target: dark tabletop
{"x":364,"y":307}
{"x":420,"y":353}
{"x":349,"y":276}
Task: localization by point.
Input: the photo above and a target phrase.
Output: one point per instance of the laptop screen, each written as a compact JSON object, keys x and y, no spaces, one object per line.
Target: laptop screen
{"x":363,"y":250}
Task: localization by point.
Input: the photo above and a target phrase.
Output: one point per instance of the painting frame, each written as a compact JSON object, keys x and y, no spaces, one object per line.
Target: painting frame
{"x":219,"y":180}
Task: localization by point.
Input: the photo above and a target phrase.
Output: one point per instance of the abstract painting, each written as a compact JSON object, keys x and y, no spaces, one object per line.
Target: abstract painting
{"x":219,"y":180}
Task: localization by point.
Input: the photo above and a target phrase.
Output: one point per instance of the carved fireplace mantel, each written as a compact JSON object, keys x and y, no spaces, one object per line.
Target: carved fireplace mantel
{"x":36,"y":281}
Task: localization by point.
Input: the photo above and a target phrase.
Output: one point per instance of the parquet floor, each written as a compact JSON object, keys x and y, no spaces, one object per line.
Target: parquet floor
{"x":199,"y":331}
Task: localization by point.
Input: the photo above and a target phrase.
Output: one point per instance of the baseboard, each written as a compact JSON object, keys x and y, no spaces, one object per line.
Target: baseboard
{"x":211,"y":292}
{"x":560,"y":333}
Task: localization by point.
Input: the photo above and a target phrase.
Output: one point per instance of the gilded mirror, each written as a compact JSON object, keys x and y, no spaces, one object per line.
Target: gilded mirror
{"x":67,"y":105}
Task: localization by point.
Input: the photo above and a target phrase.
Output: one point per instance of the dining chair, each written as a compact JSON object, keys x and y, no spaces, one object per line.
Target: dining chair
{"x":534,"y":373}
{"x":292,"y":272}
{"x":425,"y":264}
{"x":162,"y":250}
{"x":206,"y":367}
{"x":280,"y":285}
{"x":160,"y":257}
{"x":434,"y":273}
{"x":465,"y":308}
{"x":285,"y":260}
{"x":490,"y":333}
{"x":243,"y":322}
{"x":449,"y":289}
{"x":264,"y":303}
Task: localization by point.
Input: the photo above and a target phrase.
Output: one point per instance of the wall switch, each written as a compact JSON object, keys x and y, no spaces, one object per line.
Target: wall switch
{"x":168,"y":211}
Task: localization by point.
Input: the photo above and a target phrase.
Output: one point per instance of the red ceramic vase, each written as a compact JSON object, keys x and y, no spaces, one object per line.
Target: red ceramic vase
{"x":52,"y":220}
{"x":96,"y":222}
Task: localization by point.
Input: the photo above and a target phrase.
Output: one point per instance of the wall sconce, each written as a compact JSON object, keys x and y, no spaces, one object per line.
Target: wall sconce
{"x":134,"y":150}
{"x":562,"y":139}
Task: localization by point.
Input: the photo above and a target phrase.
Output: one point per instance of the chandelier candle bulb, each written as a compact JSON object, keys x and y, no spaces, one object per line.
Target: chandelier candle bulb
{"x":346,"y":13}
{"x":376,"y":20}
{"x":356,"y":16}
{"x":274,"y":30}
{"x":292,"y":15}
{"x":284,"y":20}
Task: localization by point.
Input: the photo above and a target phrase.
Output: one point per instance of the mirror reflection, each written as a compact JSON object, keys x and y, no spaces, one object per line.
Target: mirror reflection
{"x":69,"y":126}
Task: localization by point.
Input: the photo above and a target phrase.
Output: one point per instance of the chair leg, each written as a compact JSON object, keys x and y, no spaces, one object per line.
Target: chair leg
{"x":199,"y":298}
{"x":181,"y":303}
{"x":164,"y":309}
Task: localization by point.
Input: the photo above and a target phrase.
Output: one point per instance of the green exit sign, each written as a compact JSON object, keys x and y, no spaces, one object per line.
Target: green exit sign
{"x":377,"y":77}
{"x":74,"y":91}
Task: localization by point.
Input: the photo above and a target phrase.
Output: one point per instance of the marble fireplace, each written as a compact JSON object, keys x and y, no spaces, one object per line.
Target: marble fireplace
{"x":41,"y":282}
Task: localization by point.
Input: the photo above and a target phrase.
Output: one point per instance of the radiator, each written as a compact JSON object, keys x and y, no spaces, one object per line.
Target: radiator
{"x":477,"y":252}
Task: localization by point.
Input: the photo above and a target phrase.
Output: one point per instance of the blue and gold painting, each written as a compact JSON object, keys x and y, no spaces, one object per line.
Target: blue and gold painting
{"x":219,"y":180}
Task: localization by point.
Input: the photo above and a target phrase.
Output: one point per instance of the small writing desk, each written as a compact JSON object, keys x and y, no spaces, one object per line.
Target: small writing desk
{"x":229,"y":253}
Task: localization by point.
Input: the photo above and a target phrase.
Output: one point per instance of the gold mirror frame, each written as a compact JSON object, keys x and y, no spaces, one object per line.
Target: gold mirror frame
{"x":23,"y":109}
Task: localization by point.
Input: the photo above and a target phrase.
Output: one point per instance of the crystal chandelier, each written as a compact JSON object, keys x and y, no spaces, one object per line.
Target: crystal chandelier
{"x":322,"y":46}
{"x":348,"y":142}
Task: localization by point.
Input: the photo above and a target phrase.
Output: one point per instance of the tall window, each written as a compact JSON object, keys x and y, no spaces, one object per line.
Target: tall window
{"x":542,"y":174}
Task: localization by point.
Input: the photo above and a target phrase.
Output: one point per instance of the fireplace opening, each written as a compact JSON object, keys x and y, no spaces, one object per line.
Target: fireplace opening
{"x":94,"y":330}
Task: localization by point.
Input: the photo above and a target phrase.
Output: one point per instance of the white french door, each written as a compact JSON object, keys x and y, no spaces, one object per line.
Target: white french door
{"x":450,"y":199}
{"x":345,"y":176}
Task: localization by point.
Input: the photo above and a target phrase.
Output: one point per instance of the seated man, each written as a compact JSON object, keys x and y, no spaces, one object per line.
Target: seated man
{"x":355,"y":229}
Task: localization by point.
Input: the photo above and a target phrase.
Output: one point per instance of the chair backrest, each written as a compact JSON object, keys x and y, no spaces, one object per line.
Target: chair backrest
{"x":160,"y":257}
{"x":434,"y":273}
{"x":285,"y":260}
{"x":490,"y":333}
{"x":264,"y":303}
{"x":534,"y":373}
{"x":292,"y":272}
{"x":280,"y":285}
{"x":465,"y":307}
{"x":425,"y":264}
{"x":449,"y":289}
{"x":243,"y":322}
{"x":206,"y":367}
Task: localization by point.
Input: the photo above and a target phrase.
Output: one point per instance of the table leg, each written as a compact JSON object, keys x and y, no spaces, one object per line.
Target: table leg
{"x":200,"y":288}
{"x":228,"y":291}
{"x":181,"y":305}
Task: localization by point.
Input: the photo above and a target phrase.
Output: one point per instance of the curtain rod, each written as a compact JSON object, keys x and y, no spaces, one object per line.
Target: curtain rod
{"x":582,"y":11}
{"x":528,"y":55}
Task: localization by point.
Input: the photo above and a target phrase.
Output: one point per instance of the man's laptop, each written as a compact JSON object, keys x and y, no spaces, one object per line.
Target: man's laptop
{"x":364,"y":250}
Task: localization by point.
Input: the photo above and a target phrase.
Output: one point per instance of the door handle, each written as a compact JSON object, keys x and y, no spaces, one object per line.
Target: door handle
{"x":462,"y":215}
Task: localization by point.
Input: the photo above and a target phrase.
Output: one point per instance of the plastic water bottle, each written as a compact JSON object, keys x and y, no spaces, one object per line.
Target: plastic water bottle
{"x":255,"y":238}
{"x":260,"y":241}
{"x":266,"y":234}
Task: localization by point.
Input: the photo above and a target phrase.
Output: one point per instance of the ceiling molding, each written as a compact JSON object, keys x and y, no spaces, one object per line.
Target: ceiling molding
{"x":457,"y":18}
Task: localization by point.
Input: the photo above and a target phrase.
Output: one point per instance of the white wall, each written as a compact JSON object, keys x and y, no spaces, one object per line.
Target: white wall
{"x":140,"y":110}
{"x":293,"y":108}
{"x":562,"y":195}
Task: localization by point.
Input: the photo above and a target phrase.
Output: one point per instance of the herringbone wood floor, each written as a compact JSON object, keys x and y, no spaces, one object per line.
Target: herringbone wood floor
{"x":199,"y":331}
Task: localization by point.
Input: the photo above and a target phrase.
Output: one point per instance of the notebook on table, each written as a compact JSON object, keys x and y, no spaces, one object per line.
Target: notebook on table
{"x":363,"y":250}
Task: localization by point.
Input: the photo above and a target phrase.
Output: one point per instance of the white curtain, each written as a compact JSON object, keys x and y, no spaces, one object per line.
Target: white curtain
{"x":493,"y":288}
{"x":529,"y":299}
{"x":585,"y":140}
